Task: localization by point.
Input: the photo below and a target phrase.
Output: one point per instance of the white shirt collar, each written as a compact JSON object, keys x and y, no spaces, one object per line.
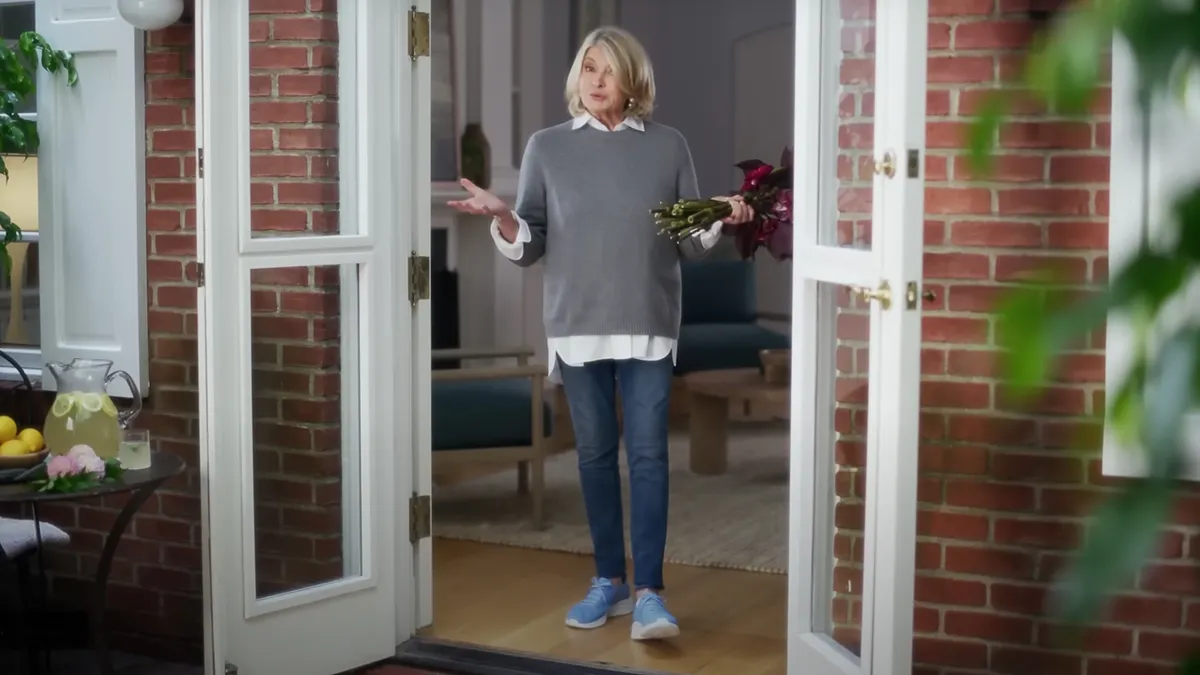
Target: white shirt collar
{"x":587,"y":120}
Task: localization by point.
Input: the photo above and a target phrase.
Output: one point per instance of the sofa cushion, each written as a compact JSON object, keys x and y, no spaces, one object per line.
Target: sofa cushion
{"x":484,"y":414}
{"x":718,"y":291}
{"x":720,"y":346}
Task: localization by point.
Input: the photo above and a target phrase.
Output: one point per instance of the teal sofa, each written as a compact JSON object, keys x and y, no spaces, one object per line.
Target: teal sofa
{"x":720,"y":327}
{"x":493,"y":414}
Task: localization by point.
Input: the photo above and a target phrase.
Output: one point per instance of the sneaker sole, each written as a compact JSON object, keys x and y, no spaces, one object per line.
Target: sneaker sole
{"x":659,"y":630}
{"x":619,"y":608}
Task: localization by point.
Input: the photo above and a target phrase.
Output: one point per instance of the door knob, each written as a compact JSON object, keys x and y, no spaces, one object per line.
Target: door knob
{"x":882,"y":295}
{"x":886,"y":165}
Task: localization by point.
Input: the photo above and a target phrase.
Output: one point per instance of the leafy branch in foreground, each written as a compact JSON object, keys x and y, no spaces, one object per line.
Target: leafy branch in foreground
{"x":1037,"y":323}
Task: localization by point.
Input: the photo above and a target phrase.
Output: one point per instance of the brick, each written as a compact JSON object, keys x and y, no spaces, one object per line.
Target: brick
{"x":961,"y":69}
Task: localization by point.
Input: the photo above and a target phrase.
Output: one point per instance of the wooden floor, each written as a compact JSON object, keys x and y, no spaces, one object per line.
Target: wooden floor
{"x":733,"y":623}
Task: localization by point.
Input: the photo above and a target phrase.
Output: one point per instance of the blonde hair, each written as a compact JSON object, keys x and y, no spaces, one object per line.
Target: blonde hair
{"x":630,"y":64}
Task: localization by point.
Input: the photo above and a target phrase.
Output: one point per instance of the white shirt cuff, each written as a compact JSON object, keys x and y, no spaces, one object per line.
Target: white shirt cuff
{"x":513,"y":250}
{"x":711,"y":236}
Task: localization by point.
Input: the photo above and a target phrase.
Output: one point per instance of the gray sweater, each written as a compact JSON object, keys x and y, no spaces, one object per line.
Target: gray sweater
{"x":586,"y":196}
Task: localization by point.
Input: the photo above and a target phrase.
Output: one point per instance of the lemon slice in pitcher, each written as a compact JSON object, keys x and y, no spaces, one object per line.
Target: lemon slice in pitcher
{"x":62,"y":405}
{"x":107,"y":405}
{"x":91,"y":402}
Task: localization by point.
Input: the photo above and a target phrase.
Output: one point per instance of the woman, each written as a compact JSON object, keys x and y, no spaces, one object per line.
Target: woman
{"x":612,"y":302}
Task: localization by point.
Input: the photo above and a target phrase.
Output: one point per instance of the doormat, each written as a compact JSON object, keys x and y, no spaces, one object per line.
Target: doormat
{"x":737,"y":520}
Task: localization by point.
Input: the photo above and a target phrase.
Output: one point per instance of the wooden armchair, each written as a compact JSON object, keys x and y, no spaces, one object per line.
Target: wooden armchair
{"x":493,"y":414}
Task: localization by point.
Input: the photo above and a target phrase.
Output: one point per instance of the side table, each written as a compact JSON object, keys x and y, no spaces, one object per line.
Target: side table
{"x":141,"y":483}
{"x":710,"y":392}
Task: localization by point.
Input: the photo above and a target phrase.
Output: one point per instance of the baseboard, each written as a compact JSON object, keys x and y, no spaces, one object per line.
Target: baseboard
{"x":456,"y":658}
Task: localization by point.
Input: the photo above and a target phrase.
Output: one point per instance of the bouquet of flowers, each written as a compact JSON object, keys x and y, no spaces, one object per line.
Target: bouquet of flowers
{"x":81,"y":468}
{"x":767,"y":189}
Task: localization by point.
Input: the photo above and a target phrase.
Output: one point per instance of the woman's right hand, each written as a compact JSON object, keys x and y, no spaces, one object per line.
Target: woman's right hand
{"x":480,"y":203}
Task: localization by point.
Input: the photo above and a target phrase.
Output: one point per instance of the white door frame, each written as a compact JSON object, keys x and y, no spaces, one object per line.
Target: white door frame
{"x":894,"y":353}
{"x":414,"y":472}
{"x":260,"y":635}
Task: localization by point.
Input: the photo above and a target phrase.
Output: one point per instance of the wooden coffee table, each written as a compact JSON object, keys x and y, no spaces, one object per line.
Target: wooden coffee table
{"x":711,"y":392}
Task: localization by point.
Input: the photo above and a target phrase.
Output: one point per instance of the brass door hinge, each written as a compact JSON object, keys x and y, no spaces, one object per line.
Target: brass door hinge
{"x":420,"y":518}
{"x":418,"y":33}
{"x":200,"y":163}
{"x":199,"y":275}
{"x":418,"y":278}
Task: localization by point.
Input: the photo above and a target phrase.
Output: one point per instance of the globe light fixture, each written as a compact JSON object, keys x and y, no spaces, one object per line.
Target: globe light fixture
{"x":150,"y":14}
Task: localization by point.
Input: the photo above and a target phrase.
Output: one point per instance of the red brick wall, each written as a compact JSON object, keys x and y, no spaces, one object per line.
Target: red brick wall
{"x":1003,"y":490}
{"x":295,"y":328}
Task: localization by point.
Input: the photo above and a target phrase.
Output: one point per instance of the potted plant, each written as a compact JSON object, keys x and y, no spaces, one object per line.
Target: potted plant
{"x":19,"y":64}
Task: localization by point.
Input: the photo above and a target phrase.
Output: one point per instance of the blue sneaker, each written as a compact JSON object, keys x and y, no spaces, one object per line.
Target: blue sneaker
{"x":651,"y":620}
{"x":602,"y":601}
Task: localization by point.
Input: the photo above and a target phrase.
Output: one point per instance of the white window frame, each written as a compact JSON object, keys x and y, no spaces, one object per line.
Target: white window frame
{"x":1148,"y":165}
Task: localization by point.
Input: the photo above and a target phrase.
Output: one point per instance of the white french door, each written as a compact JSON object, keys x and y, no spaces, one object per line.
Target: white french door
{"x":859,"y":135}
{"x":304,"y":330}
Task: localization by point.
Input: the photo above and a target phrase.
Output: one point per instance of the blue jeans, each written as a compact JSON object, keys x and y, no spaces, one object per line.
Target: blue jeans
{"x":645,"y":388}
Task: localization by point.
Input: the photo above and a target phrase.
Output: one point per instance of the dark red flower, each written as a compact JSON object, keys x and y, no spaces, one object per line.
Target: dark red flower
{"x":755,"y":176}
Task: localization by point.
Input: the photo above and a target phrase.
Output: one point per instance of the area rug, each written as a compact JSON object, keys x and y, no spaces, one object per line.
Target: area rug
{"x":737,"y":520}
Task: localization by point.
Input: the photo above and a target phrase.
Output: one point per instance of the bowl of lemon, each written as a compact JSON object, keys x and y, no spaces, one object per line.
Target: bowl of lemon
{"x":20,"y":448}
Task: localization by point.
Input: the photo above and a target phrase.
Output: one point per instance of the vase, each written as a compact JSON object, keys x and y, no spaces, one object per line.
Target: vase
{"x":476,"y":156}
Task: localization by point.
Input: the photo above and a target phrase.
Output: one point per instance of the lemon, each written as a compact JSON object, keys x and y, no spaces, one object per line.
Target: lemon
{"x":108,"y":406}
{"x":13,"y":448}
{"x":91,"y":402}
{"x":32,"y":438}
{"x":8,"y":428}
{"x":62,"y":405}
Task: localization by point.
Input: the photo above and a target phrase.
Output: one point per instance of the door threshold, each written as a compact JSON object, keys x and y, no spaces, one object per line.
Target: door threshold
{"x":459,"y":658}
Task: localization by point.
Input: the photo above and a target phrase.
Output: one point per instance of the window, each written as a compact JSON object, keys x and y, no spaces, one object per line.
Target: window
{"x":1151,"y":160}
{"x":20,"y":315}
{"x":77,"y":287}
{"x":17,"y":17}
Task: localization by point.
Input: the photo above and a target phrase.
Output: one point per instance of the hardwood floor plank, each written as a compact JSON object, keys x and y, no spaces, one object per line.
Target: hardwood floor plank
{"x":733,"y":622}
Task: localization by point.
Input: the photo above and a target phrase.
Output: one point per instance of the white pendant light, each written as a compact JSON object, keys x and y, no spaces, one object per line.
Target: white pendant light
{"x":150,"y":14}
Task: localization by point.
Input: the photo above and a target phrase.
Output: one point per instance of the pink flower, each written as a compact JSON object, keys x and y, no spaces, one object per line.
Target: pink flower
{"x":87,"y":459}
{"x":61,"y":466}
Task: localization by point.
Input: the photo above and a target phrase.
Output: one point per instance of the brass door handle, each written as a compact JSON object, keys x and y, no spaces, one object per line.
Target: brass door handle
{"x":883,"y":294}
{"x":887,"y":164}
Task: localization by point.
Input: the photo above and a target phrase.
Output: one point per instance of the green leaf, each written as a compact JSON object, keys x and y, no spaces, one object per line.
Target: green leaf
{"x":1168,"y":398}
{"x":1190,"y":665}
{"x":1065,"y":68}
{"x":1124,"y":532}
{"x":981,"y":135}
{"x":1033,"y":334}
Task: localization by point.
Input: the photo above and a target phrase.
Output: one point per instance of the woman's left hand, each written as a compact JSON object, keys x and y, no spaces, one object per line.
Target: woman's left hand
{"x":742,"y":212}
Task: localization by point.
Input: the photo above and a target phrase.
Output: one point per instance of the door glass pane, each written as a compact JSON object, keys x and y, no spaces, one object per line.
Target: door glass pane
{"x":852,"y":34}
{"x":305,"y":434}
{"x":300,"y":153}
{"x":842,"y":451}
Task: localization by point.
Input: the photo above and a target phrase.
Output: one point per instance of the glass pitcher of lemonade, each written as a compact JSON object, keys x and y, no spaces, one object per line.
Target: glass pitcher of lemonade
{"x":82,"y":412}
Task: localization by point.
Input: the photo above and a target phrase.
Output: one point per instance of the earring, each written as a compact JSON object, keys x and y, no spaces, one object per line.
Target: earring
{"x":629,"y":103}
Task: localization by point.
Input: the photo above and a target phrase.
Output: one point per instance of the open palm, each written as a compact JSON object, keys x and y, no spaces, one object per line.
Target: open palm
{"x":480,"y":202}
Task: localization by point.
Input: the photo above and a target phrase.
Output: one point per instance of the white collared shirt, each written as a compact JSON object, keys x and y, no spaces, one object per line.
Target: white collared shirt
{"x":576,"y":350}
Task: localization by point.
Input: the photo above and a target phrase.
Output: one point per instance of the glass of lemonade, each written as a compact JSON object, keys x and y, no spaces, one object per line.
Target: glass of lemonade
{"x":134,"y":452}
